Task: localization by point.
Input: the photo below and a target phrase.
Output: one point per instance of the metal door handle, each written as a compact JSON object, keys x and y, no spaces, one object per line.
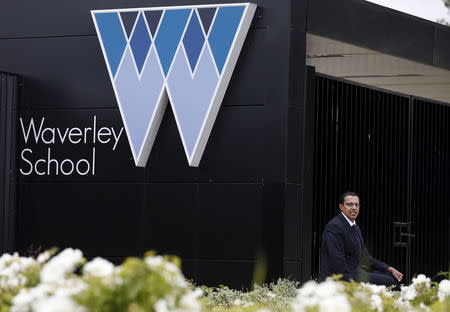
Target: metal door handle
{"x":399,"y":227}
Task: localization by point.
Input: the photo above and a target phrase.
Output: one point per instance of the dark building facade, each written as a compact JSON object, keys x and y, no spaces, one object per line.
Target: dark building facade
{"x":257,"y":194}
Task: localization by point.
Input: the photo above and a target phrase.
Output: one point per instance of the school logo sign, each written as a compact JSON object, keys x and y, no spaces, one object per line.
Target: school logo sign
{"x":185,"y":55}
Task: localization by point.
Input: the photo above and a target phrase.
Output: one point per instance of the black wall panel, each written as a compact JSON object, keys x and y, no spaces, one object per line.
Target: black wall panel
{"x":442,"y":46}
{"x":168,"y":222}
{"x":237,"y":274}
{"x":10,"y":90}
{"x":229,"y":221}
{"x":292,"y":270}
{"x":292,"y":224}
{"x":59,"y":72}
{"x":249,"y":88}
{"x":299,"y":10}
{"x":295,"y":145}
{"x":100,"y":219}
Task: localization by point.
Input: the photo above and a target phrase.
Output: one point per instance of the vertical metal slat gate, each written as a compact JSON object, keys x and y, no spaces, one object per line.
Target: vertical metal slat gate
{"x":393,"y":151}
{"x":430,"y":196}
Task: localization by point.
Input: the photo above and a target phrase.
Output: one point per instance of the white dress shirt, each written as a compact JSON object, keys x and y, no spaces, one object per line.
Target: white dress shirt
{"x":348,"y":220}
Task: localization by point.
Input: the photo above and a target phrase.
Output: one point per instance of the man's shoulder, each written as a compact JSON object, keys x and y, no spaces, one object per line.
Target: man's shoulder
{"x":335,"y":222}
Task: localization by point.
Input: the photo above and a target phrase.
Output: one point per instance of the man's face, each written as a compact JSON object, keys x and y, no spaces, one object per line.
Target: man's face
{"x":350,"y":207}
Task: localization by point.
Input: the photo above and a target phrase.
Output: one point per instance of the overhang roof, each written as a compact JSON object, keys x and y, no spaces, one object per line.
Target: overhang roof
{"x":370,"y":67}
{"x":367,"y":43}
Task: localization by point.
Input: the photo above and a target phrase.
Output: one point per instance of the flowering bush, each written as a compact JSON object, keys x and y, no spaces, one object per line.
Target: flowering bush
{"x":332,"y":296}
{"x":65,"y":282}
{"x":51,"y":284}
{"x":275,"y":297}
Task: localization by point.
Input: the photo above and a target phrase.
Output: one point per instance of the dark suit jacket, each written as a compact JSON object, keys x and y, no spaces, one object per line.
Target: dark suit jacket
{"x":341,"y":252}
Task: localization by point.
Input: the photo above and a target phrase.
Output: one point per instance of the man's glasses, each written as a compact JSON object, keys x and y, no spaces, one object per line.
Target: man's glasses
{"x":352,"y":205}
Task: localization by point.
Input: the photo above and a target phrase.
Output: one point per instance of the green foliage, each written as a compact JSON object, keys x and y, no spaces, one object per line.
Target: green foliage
{"x":275,"y":297}
{"x":135,"y":286}
{"x":443,"y":306}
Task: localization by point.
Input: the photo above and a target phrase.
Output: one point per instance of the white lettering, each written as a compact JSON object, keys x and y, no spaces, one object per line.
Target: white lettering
{"x":75,"y":132}
{"x":116,"y":138}
{"x":104,"y":132}
{"x":62,"y":138}
{"x":37,"y":133}
{"x":71,"y":167}
{"x":36,"y":167}
{"x":88,"y":167}
{"x":50,"y":161}
{"x":93,"y":161}
{"x":85,"y":133}
{"x":22,"y":155}
{"x":31,"y":126}
{"x":52,"y":135}
{"x":95,"y":129}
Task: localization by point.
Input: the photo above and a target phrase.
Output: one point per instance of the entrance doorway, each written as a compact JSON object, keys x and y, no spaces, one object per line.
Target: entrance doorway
{"x":394,"y":151}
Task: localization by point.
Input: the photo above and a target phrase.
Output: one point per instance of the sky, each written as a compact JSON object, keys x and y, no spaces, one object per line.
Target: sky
{"x":428,"y":9}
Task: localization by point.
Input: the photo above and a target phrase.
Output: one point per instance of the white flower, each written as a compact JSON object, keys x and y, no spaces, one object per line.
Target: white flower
{"x":403,"y":305}
{"x":300,"y":304}
{"x":424,"y":307}
{"x":263,"y":310}
{"x":421,"y":279}
{"x":154,"y":261}
{"x":376,"y":303}
{"x":43,"y":257}
{"x":57,"y":304}
{"x":12,"y":268}
{"x":375,"y":289}
{"x":5,"y":259}
{"x":36,"y":299}
{"x":98,"y":267}
{"x":237,"y":302}
{"x":271,"y":295}
{"x":169,"y":266}
{"x":161,"y":306}
{"x":444,"y":290}
{"x":69,"y":287}
{"x":180,"y":281}
{"x":308,"y":289}
{"x":309,"y":295}
{"x":23,"y":301}
{"x":52,"y":274}
{"x":329,"y":288}
{"x":190,"y":303}
{"x":57,"y":268}
{"x":408,"y":293}
{"x":337,"y":303}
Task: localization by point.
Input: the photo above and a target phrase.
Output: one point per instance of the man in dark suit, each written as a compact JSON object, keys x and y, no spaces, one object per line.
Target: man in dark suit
{"x":343,"y":251}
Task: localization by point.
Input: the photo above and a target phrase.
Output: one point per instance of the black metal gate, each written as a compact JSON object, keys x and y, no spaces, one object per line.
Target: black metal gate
{"x":392,"y":150}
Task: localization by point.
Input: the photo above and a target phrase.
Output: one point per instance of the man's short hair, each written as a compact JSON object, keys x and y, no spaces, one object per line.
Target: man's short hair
{"x":342,"y":197}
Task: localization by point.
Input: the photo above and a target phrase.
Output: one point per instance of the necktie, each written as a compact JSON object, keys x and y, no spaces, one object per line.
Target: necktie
{"x":358,"y":237}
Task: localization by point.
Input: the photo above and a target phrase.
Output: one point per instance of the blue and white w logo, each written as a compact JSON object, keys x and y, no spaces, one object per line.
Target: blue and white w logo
{"x":182,"y":54}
